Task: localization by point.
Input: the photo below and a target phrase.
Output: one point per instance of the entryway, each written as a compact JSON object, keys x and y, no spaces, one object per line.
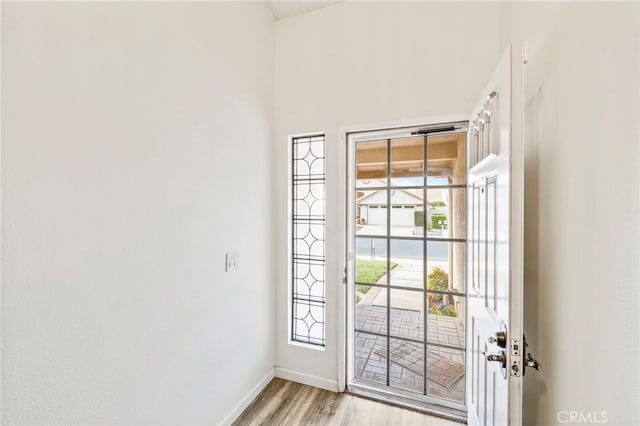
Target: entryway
{"x":406,"y":247}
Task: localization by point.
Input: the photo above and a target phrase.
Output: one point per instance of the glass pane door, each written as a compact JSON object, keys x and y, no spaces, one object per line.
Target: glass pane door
{"x":409,"y":245}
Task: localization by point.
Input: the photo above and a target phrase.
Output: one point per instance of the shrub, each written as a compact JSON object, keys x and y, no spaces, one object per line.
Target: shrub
{"x":438,"y":203}
{"x":438,"y":279}
{"x":436,"y":218}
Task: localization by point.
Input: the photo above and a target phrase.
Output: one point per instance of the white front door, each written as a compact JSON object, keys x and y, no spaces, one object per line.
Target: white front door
{"x":495,"y":248}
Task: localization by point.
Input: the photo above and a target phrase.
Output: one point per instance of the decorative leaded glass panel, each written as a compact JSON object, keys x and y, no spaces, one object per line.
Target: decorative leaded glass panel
{"x":308,"y":240}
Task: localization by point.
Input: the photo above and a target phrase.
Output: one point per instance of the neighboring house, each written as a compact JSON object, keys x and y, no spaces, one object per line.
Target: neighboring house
{"x":372,"y":206}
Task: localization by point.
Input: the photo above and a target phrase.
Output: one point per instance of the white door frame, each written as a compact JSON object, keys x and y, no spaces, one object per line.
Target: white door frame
{"x":347,"y":225}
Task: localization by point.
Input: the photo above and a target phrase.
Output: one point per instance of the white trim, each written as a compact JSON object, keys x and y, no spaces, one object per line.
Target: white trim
{"x":307,"y":379}
{"x":432,"y":406}
{"x":343,"y":273}
{"x":516,"y":229}
{"x":1,"y":233}
{"x":402,"y":124}
{"x":289,"y":245}
{"x":248,"y":399}
{"x":303,"y":344}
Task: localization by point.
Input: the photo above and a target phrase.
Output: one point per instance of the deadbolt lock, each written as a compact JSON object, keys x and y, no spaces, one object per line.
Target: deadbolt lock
{"x":500,"y":339}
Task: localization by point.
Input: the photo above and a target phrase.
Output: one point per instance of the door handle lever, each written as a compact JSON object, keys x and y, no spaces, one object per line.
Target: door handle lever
{"x":529,"y":361}
{"x":501,"y":358}
{"x":532,"y":362}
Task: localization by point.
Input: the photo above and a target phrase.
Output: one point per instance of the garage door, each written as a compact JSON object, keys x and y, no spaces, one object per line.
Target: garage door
{"x":402,"y":215}
{"x":377,"y":215}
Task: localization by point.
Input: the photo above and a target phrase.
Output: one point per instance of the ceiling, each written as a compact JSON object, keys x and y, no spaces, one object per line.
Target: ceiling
{"x":287,"y":9}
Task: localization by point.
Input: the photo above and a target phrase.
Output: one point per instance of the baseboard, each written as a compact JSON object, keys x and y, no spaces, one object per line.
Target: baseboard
{"x":307,"y":379}
{"x":242,"y":405}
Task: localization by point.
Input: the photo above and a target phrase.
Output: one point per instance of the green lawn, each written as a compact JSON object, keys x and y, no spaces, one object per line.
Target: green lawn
{"x":370,"y":271}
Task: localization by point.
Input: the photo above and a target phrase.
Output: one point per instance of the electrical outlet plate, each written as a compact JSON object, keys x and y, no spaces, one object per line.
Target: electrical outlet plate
{"x":233,"y":261}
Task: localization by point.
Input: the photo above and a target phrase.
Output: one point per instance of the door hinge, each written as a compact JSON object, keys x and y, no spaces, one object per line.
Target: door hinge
{"x":525,"y":53}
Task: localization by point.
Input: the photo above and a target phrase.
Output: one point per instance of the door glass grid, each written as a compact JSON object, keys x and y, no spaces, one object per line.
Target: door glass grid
{"x":410,"y":245}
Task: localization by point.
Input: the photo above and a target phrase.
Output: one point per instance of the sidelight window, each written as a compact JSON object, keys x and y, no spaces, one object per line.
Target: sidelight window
{"x":307,"y":232}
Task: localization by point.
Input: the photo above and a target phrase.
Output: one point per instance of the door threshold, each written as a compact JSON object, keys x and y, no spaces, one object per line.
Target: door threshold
{"x":423,"y":407}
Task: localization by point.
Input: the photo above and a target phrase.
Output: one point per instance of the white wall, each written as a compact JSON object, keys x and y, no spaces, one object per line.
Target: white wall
{"x":360,"y":62}
{"x":130,"y":131}
{"x":581,"y":207}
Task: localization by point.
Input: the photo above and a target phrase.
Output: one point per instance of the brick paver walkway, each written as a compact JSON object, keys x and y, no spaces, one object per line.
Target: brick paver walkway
{"x":406,"y":323}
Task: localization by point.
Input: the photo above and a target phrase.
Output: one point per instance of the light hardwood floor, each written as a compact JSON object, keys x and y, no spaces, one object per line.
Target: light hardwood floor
{"x":287,"y":403}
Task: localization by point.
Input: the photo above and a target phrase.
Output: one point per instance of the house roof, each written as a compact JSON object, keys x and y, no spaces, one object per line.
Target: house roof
{"x":407,"y":197}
